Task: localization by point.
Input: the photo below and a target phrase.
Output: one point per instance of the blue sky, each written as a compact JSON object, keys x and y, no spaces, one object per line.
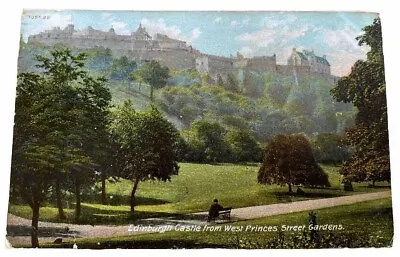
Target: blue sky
{"x":224,"y":33}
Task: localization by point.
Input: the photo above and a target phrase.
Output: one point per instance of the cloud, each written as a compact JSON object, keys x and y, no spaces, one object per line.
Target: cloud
{"x":344,"y":50}
{"x":272,"y":36}
{"x":37,"y":26}
{"x":159,"y":26}
{"x":280,"y":35}
{"x":105,"y":15}
{"x":195,"y":34}
{"x":120,"y":28}
{"x":218,"y":20}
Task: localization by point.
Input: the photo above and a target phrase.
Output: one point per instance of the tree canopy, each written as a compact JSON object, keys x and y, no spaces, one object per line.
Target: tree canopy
{"x":146,"y":145}
{"x":365,"y":87}
{"x":60,"y":120}
{"x":154,"y":74}
{"x":289,"y":160}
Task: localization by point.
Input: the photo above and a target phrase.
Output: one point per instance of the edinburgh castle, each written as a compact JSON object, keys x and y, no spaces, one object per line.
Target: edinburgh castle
{"x":177,"y":54}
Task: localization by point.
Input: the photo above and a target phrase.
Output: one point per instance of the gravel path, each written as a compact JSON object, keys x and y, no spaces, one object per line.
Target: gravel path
{"x":19,"y":228}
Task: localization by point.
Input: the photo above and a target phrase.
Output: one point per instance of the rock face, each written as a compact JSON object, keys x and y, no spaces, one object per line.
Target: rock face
{"x":177,"y":54}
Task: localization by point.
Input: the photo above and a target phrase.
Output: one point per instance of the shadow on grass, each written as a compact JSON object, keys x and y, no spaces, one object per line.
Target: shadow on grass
{"x":142,"y":244}
{"x":290,"y":197}
{"x":115,"y":200}
{"x":24,"y":230}
{"x":94,"y":216}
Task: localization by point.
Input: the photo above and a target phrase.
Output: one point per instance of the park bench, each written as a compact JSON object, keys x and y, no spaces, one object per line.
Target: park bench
{"x":225,"y":214}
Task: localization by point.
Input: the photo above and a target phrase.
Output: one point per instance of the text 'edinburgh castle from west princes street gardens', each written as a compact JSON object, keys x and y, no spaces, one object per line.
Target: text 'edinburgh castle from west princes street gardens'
{"x":177,"y":54}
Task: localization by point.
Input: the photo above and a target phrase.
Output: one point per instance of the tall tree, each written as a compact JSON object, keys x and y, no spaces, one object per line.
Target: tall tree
{"x":153,"y":74}
{"x":365,"y":87}
{"x":61,"y":116}
{"x":78,"y":107}
{"x":220,"y":81}
{"x":289,"y":160}
{"x":146,"y":146}
{"x":232,"y":84}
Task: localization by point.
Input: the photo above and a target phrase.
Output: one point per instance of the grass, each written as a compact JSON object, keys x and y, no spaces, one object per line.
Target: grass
{"x":191,"y":191}
{"x":363,"y":221}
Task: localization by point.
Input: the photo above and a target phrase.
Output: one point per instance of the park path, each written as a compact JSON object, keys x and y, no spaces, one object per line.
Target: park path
{"x":19,"y":228}
{"x":255,"y":212}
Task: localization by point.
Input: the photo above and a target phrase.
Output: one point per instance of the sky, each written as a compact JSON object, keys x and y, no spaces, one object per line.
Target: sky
{"x":224,"y":33}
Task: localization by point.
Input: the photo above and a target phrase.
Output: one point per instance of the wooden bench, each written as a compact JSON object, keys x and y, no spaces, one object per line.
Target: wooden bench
{"x":225,"y":214}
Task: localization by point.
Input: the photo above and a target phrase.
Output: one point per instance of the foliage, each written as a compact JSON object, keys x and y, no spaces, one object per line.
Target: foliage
{"x":146,"y":145}
{"x":122,"y":68}
{"x":289,"y":161}
{"x":220,"y":81}
{"x":60,"y":113}
{"x":153,"y":74}
{"x":244,"y":147}
{"x":330,"y":148}
{"x":101,"y":59}
{"x":232,"y":84}
{"x":365,"y":87}
{"x":207,"y":143}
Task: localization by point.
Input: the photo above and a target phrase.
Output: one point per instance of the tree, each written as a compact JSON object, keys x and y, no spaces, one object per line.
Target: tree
{"x":101,"y":59}
{"x":146,"y":146}
{"x":122,"y":68}
{"x":153,"y":74}
{"x":220,"y":81}
{"x":365,"y":87}
{"x":232,"y":84}
{"x":289,"y":160}
{"x":80,"y":116}
{"x":244,"y":147}
{"x":61,"y":114}
{"x":330,"y":148}
{"x":211,"y":135}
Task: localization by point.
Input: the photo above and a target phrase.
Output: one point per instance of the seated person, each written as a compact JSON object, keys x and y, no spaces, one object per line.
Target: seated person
{"x":214,"y":210}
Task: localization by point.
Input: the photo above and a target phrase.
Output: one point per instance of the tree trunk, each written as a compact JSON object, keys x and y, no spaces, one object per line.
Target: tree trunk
{"x":103,"y":188}
{"x":61,"y":214}
{"x":78,"y":200}
{"x":373,"y":183}
{"x":35,"y":226}
{"x":151,"y":93}
{"x":135,"y":185}
{"x":290,"y":188}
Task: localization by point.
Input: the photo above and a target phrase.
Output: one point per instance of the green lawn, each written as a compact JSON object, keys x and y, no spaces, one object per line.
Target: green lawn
{"x":364,"y":224}
{"x":191,"y":191}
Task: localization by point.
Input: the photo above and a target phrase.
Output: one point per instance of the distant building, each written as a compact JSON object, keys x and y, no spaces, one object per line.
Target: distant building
{"x":177,"y":54}
{"x":317,"y":64}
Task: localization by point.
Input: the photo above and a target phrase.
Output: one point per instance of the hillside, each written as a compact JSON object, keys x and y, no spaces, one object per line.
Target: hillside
{"x":265,"y":103}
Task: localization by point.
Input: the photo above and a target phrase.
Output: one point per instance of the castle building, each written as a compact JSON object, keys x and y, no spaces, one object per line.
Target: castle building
{"x":316,"y":64}
{"x":177,"y":54}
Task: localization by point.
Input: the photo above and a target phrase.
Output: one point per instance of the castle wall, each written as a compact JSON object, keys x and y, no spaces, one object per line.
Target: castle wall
{"x":320,"y":68}
{"x":220,"y":65}
{"x":178,"y":59}
{"x":262,"y":64}
{"x":174,"y":53}
{"x":288,"y":70}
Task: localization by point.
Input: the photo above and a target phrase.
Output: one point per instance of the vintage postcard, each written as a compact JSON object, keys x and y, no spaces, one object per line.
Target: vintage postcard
{"x":172,"y":130}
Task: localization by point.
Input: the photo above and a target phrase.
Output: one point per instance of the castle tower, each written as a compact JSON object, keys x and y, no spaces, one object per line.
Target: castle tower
{"x":141,"y":33}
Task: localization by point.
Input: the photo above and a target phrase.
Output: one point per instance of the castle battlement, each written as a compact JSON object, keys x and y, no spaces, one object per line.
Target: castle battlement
{"x":177,"y":54}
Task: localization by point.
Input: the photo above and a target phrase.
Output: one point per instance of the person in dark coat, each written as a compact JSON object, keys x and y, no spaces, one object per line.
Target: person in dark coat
{"x":215,"y":208}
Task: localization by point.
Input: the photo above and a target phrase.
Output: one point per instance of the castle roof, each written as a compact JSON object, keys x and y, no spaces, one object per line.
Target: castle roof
{"x":304,"y":56}
{"x":141,"y":32}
